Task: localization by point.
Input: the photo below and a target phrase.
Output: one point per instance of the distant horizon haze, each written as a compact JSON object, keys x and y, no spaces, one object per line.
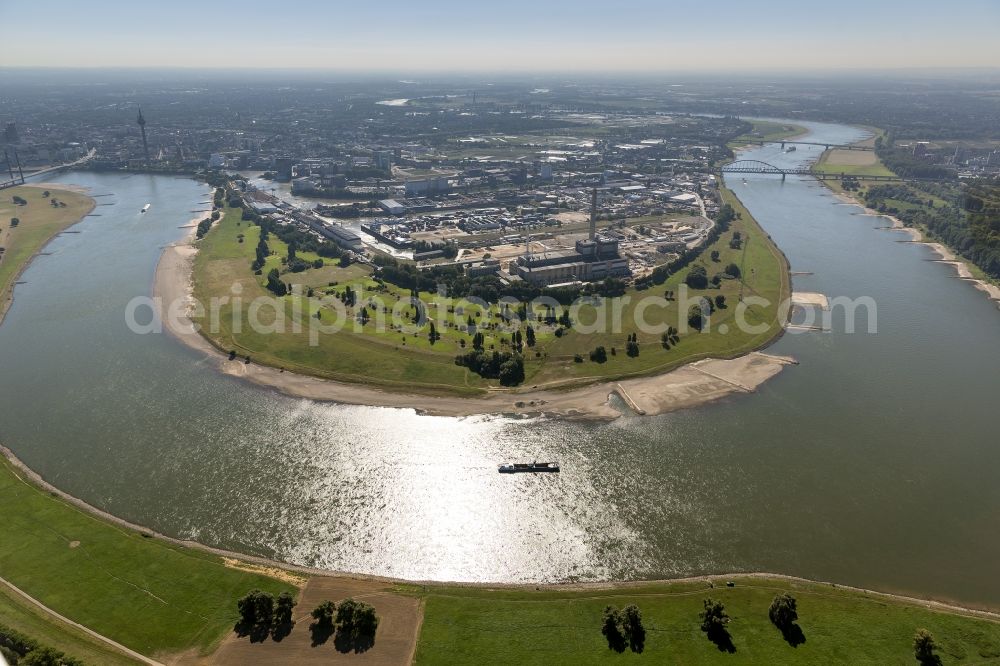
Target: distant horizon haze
{"x":447,"y":36}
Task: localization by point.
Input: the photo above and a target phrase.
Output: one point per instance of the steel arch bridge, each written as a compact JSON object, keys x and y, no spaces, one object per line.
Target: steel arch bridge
{"x":756,"y":166}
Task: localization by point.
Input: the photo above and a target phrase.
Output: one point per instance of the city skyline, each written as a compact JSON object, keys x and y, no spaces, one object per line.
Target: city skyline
{"x":636,"y":36}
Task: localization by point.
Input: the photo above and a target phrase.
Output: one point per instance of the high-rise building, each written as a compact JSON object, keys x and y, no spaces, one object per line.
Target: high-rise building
{"x":283,"y":168}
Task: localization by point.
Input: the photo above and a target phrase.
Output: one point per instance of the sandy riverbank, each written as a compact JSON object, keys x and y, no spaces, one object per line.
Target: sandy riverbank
{"x":693,"y":384}
{"x":946,"y":256}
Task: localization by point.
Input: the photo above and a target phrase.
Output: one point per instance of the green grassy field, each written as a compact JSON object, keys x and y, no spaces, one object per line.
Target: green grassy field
{"x":148,"y":595}
{"x":477,"y":626}
{"x":765,"y":130}
{"x":398,"y":358}
{"x":828,"y":165}
{"x":18,"y":614}
{"x":39,"y":222}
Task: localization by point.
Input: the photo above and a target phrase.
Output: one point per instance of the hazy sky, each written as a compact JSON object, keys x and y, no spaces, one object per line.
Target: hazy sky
{"x":497,"y":35}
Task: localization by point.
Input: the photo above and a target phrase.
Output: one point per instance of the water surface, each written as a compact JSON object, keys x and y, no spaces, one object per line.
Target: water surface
{"x":872,"y":463}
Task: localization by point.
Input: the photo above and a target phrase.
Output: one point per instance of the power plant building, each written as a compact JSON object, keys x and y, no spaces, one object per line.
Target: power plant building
{"x":594,"y":258}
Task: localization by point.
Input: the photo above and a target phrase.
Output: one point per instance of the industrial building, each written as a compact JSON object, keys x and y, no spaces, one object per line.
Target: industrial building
{"x":594,"y":258}
{"x":342,"y":236}
{"x":425,"y":187}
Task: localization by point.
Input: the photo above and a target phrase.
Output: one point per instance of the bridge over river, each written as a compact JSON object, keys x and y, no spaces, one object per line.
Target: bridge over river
{"x":827,"y":146}
{"x":756,"y":166}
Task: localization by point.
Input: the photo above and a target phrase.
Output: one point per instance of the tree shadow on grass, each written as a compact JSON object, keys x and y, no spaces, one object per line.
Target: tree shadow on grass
{"x":345,"y":642}
{"x":722,"y":639}
{"x":793,"y":635}
{"x":637,"y":641}
{"x":617,"y":642}
{"x":320,"y":633}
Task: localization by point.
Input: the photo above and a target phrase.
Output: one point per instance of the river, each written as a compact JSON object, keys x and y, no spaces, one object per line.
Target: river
{"x":872,"y":463}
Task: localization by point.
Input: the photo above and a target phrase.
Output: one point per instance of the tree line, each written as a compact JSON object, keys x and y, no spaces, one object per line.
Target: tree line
{"x":623,"y":628}
{"x":353,"y":623}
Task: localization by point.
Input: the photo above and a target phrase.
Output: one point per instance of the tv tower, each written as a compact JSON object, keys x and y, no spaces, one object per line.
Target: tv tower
{"x":142,"y":126}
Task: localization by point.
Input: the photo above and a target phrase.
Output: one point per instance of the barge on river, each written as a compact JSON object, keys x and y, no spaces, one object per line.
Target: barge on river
{"x":513,"y":468}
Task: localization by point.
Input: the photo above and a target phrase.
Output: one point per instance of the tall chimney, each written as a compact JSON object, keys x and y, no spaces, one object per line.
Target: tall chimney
{"x":593,"y":214}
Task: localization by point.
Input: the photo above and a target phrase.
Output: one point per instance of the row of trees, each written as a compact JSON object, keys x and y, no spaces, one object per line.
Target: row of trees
{"x":697,"y":277}
{"x":623,"y":628}
{"x":353,"y":622}
{"x":261,"y":615}
{"x":508,"y":367}
{"x":21,"y":650}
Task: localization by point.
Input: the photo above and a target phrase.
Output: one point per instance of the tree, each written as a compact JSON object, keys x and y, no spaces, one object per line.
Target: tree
{"x":611,"y":627}
{"x":283,"y":621}
{"x":633,"y":629}
{"x":696,"y":318}
{"x":529,"y":336}
{"x":322,"y":626}
{"x":512,"y":371}
{"x":623,"y":628}
{"x":323,"y":614}
{"x":256,"y":611}
{"x":599,"y":355}
{"x":715,"y":255}
{"x":713,"y":622}
{"x":924,"y":648}
{"x":203,"y":228}
{"x":733,"y":270}
{"x":720,"y":302}
{"x":274,"y":283}
{"x":725,"y":215}
{"x":357,"y":623}
{"x":47,"y":656}
{"x":632,"y":346}
{"x":697,"y":278}
{"x":783,"y":612}
{"x":612,"y":287}
{"x":14,"y":221}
